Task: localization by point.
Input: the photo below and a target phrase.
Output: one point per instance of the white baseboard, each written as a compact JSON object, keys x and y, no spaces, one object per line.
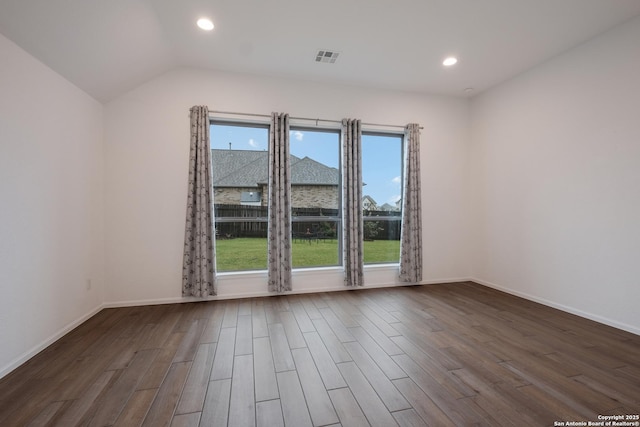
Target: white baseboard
{"x":562,"y":307}
{"x":235,"y":295}
{"x":445,"y":281}
{"x":256,"y":294}
{"x":46,"y":343}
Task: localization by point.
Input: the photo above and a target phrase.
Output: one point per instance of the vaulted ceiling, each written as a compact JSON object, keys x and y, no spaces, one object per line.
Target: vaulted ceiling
{"x":107,"y":47}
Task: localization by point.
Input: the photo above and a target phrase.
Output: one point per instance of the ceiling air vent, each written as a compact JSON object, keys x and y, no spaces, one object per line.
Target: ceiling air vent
{"x":327,"y":56}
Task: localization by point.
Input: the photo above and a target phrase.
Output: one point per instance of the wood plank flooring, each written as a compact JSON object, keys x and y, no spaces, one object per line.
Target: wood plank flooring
{"x":442,"y":355}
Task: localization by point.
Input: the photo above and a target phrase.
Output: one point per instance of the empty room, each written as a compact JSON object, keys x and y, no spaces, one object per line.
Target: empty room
{"x":243,"y":213}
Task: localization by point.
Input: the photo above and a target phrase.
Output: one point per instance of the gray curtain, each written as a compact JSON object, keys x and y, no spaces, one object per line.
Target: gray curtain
{"x":279,"y":229}
{"x":198,"y":265}
{"x":411,"y":234}
{"x":352,"y":206}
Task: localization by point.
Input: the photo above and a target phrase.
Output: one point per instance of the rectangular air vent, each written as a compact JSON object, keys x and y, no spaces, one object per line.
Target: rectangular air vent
{"x":327,"y":56}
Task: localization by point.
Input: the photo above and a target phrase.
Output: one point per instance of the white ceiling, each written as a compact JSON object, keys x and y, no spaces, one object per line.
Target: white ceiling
{"x":107,"y":47}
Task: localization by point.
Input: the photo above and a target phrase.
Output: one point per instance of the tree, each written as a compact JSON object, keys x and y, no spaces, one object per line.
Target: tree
{"x":371,"y":229}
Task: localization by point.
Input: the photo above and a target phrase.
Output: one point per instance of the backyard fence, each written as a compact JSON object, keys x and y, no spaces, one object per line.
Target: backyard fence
{"x":251,"y":221}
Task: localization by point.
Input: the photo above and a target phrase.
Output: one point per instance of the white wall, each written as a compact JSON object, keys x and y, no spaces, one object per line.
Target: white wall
{"x":147,"y":145}
{"x":556,"y":181}
{"x":544,"y":205}
{"x":51,"y":221}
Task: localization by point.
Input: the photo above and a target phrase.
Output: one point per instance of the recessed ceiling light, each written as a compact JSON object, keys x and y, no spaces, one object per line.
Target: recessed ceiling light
{"x":449,"y":61}
{"x":205,"y":24}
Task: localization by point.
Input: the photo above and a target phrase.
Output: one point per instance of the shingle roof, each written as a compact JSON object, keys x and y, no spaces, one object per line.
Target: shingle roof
{"x":310,"y":172}
{"x":246,"y":168}
{"x":238,"y":168}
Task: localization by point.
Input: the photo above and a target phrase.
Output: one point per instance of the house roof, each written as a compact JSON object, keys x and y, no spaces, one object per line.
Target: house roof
{"x":310,"y":172}
{"x":247,"y":168}
{"x":370,"y":199}
{"x":238,"y":168}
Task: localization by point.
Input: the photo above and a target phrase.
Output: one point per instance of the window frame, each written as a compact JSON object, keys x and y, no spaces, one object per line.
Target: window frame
{"x":246,"y":220}
{"x":338,"y":220}
{"x":333,"y":219}
{"x":402,"y":138}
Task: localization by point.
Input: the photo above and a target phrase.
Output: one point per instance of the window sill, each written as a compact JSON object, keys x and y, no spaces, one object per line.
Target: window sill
{"x":243,"y":273}
{"x":385,"y":266}
{"x":307,"y":270}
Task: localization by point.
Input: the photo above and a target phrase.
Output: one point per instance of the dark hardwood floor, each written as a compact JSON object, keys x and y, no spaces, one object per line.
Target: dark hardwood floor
{"x":441,"y":355}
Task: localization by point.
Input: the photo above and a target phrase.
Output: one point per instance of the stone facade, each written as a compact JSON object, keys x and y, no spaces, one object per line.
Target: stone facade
{"x":231,"y":195}
{"x":302,"y":196}
{"x":315,"y":196}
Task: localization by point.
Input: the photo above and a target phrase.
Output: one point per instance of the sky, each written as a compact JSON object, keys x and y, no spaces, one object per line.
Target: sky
{"x":381,"y":155}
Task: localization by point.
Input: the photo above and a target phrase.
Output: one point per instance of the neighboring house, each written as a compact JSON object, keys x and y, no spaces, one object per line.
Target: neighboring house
{"x":240,"y":178}
{"x":387,"y":207}
{"x":399,"y":204}
{"x":368,"y":204}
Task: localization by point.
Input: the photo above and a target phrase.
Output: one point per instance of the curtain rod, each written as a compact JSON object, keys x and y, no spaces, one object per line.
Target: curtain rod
{"x":303,"y":118}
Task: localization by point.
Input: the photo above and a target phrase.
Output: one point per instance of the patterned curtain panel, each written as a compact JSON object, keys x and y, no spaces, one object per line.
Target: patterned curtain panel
{"x":279,"y":228}
{"x":411,"y":234}
{"x":352,"y":193}
{"x":198,"y":262}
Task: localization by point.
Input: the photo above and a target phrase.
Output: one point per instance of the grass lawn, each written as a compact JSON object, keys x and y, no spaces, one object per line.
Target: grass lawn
{"x":251,"y":253}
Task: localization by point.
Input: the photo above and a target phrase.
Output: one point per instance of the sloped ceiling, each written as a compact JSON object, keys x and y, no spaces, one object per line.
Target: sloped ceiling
{"x":107,"y":47}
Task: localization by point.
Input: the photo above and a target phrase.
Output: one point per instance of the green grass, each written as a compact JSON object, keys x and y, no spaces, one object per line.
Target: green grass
{"x":381,"y":251}
{"x":251,"y":253}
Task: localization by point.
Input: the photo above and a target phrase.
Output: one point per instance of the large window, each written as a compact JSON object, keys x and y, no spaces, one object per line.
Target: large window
{"x":240,"y":162}
{"x":381,"y":197}
{"x":240,"y":180}
{"x":315,"y":198}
